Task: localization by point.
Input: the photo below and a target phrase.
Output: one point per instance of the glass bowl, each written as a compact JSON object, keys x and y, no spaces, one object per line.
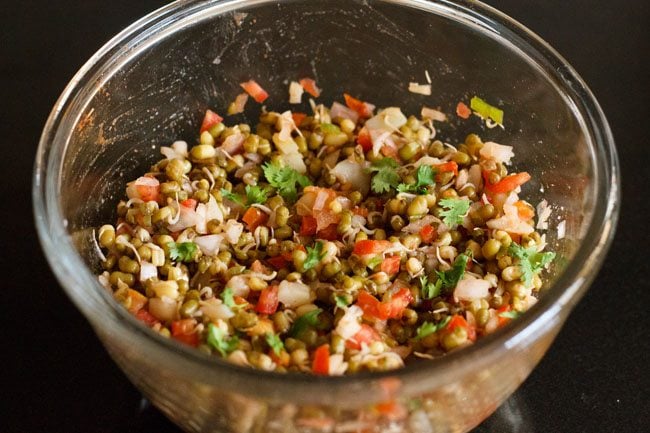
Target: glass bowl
{"x":151,"y":84}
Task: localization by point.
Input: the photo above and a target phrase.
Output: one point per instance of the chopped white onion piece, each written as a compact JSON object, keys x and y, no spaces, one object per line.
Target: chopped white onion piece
{"x":497,"y":152}
{"x":294,"y":294}
{"x":421,"y":89}
{"x":295,"y":92}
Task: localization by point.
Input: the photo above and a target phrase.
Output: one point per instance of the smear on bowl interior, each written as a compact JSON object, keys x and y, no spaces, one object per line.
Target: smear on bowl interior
{"x":344,"y":240}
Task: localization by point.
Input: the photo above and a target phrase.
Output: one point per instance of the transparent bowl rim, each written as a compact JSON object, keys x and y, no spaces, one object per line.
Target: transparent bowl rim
{"x":553,"y":308}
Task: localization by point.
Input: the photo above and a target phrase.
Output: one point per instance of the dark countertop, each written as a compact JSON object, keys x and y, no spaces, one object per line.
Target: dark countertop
{"x":56,"y":376}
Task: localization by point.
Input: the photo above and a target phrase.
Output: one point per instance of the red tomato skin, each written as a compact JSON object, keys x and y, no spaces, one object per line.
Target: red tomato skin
{"x":268,"y":302}
{"x":308,"y":226}
{"x":390,"y":265}
{"x":366,"y":334}
{"x":321,"y":363}
{"x":368,"y":246}
{"x":185,"y":332}
{"x":209,"y":120}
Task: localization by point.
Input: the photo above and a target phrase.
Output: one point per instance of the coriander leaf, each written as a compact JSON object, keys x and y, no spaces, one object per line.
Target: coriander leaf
{"x":285,"y":179}
{"x":485,"y":110}
{"x":385,"y":176}
{"x":314,"y":256}
{"x":256,"y":194}
{"x":183,"y":251}
{"x":530,"y":261}
{"x":449,"y":279}
{"x":232,"y":197}
{"x":428,"y":328}
{"x":510,"y":314}
{"x":220,"y":341}
{"x":429,"y":289}
{"x":227,"y":297}
{"x":454,"y":210}
{"x":274,"y":343}
{"x":341,"y":301}
{"x":305,"y":321}
{"x":424,"y":177}
{"x":406,"y":187}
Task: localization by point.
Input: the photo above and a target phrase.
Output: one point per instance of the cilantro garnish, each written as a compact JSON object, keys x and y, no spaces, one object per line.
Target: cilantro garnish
{"x":485,"y":110}
{"x":429,"y":289}
{"x":231,"y":196}
{"x":274,"y":343}
{"x":305,"y":321}
{"x":341,"y":301}
{"x":220,"y":341}
{"x":454,"y":210}
{"x":385,"y":176}
{"x":256,"y":194}
{"x":285,"y":180}
{"x":314,"y":255}
{"x":227,"y":297}
{"x":424,"y":178}
{"x":451,"y":277}
{"x":428,"y":328}
{"x":183,"y":251}
{"x":530,"y":261}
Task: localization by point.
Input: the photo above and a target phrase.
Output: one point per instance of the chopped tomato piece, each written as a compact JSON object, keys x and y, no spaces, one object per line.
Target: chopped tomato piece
{"x":390,"y":151}
{"x":368,"y":303}
{"x":428,"y":233}
{"x":257,"y":266}
{"x":516,"y":237}
{"x":391,"y":308}
{"x":507,"y":184}
{"x":209,"y":120}
{"x":368,"y":246}
{"x":502,"y":321}
{"x":137,"y":300}
{"x":364,"y":140}
{"x":524,"y":210}
{"x":298,"y":118}
{"x":190,"y":203}
{"x":310,"y":87}
{"x":394,"y":307}
{"x":361,"y":211}
{"x":447,"y":166}
{"x":185,"y":331}
{"x":366,"y":334}
{"x":278,"y":262}
{"x":148,"y":188}
{"x":309,"y":226}
{"x":459,"y":321}
{"x":145,"y":316}
{"x":268,"y":302}
{"x":254,"y":218}
{"x":255,"y":90}
{"x":329,"y":233}
{"x":463,"y":111}
{"x":390,"y":265}
{"x":321,"y":362}
{"x":362,"y":108}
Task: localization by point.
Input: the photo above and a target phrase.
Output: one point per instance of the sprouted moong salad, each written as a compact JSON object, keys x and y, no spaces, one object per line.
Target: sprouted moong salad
{"x":347,"y":240}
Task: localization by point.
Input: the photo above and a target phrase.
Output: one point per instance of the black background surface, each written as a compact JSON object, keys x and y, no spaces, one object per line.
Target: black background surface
{"x":56,"y":377}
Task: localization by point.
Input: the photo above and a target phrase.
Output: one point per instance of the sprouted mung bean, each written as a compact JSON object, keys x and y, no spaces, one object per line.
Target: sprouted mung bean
{"x":329,"y":243}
